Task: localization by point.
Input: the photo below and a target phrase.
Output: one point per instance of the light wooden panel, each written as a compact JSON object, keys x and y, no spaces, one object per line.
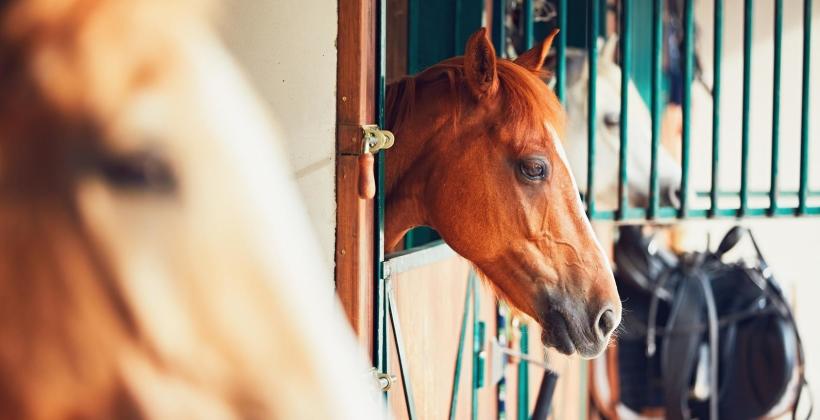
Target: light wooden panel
{"x":430,"y":303}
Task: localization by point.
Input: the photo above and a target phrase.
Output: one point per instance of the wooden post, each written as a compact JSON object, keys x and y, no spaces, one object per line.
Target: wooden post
{"x":355,"y":93}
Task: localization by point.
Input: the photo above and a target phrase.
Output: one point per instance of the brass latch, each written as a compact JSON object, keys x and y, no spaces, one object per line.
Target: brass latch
{"x":384,"y":381}
{"x":374,"y":139}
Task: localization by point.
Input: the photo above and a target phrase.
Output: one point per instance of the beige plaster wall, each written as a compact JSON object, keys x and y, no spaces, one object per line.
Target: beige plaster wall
{"x":288,"y":49}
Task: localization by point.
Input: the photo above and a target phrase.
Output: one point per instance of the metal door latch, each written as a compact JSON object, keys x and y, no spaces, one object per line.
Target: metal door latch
{"x":384,"y":381}
{"x":375,"y":139}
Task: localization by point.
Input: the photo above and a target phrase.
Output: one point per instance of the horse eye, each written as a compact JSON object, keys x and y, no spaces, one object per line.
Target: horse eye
{"x":138,"y":171}
{"x":533,"y":169}
{"x":612,"y":119}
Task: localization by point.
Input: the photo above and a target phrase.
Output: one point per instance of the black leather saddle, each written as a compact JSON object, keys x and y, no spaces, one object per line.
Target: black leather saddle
{"x":703,"y":338}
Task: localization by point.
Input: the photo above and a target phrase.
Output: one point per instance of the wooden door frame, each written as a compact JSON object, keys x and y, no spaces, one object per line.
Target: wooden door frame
{"x":355,"y":106}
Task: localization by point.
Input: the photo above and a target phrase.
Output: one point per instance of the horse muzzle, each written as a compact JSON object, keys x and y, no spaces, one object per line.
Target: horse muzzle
{"x":570,"y":327}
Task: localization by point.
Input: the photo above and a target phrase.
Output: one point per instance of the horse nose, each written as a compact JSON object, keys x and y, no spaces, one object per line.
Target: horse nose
{"x":605,"y":322}
{"x":670,"y":196}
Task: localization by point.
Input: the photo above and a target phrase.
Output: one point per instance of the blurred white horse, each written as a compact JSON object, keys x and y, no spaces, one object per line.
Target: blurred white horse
{"x":155,"y":260}
{"x":608,"y":116}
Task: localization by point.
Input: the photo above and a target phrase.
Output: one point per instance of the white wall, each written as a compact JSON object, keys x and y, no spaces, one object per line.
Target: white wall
{"x":288,"y":49}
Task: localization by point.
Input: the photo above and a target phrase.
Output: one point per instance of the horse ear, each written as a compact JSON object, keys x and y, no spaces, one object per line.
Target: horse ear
{"x":479,"y":65}
{"x":533,"y":59}
{"x":609,"y":49}
{"x":577,"y":68}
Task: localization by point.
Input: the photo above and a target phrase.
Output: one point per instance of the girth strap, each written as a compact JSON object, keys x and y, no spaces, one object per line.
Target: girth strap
{"x":679,"y":351}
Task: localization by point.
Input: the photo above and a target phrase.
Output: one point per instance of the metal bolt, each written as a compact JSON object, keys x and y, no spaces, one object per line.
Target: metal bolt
{"x":385,"y":381}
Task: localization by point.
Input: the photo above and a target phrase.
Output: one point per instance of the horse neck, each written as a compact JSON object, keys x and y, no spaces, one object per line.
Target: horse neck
{"x":410,"y":161}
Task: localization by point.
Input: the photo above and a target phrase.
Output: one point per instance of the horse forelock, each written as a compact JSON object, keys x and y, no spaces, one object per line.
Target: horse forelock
{"x":89,"y":55}
{"x":21,"y":15}
{"x":528,"y":100}
{"x":523,"y":100}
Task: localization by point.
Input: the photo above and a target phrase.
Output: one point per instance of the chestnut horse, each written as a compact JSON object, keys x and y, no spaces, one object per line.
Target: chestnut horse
{"x":155,"y":262}
{"x":478,"y":157}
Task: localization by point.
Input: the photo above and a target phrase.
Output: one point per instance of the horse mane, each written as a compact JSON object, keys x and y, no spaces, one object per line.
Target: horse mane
{"x":74,"y":50}
{"x":523,"y":95}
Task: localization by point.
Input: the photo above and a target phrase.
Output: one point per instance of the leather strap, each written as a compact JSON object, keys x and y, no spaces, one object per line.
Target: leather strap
{"x":714,"y":351}
{"x":679,"y":352}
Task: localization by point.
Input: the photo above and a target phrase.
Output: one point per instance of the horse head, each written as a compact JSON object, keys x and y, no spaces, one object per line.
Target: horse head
{"x":478,"y":157}
{"x":150,"y":229}
{"x":608,"y":116}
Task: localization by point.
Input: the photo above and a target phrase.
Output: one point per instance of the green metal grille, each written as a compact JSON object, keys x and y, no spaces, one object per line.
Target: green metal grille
{"x":654,"y":211}
{"x":424,"y":48}
{"x":593,"y":18}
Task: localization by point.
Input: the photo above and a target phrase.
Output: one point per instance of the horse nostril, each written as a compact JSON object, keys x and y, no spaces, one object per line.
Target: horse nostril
{"x":606,"y":322}
{"x":676,"y":197}
{"x":670,"y":196}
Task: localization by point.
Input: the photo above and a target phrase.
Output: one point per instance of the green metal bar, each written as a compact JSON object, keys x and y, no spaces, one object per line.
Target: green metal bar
{"x":461,"y":336}
{"x":778,"y":41}
{"x":561,"y":65}
{"x":592,"y":48}
{"x":476,"y":351}
{"x":811,"y":211}
{"x":688,"y":73}
{"x":499,"y":30}
{"x":529,"y":23}
{"x":718,"y":47}
{"x":671,"y":214}
{"x":804,"y":124}
{"x":603,"y":215}
{"x":657,"y":62}
{"x":524,"y":376}
{"x":380,"y":308}
{"x":626,"y":68}
{"x":758,"y":194}
{"x":747,"y":95}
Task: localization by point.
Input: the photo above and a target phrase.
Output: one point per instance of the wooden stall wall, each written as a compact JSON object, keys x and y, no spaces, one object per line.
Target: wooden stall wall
{"x":430,"y":302}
